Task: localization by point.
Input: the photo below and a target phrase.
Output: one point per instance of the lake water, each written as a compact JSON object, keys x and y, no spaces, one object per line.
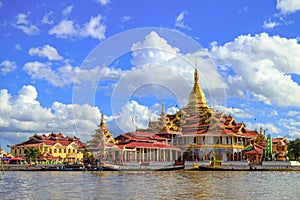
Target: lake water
{"x":150,"y":185}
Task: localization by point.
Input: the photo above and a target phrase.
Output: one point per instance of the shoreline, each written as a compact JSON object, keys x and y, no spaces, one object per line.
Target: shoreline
{"x":188,"y":166}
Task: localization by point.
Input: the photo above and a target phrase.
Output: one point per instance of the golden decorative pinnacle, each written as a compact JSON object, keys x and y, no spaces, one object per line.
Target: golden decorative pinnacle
{"x":102,"y":124}
{"x":197,"y":96}
{"x":163,"y":108}
{"x":196,"y":77}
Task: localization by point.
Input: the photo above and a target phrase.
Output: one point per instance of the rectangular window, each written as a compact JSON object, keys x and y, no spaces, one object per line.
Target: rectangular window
{"x":216,"y":140}
{"x":59,"y":150}
{"x":180,"y":141}
{"x":210,"y":140}
{"x":223,"y":140}
{"x":199,"y":140}
{"x":69,"y":150}
{"x":175,"y":141}
{"x":202,"y":140}
{"x":65,"y":150}
{"x":190,"y":140}
{"x":235,"y":140}
{"x":55,"y":150}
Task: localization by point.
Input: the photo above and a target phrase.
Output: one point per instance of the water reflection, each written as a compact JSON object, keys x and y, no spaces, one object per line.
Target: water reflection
{"x":150,"y":185}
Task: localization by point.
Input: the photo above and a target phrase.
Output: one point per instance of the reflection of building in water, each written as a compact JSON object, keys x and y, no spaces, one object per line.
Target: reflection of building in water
{"x":194,"y":133}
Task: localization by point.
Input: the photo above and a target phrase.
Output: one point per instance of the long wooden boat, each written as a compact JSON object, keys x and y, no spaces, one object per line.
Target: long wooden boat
{"x":143,"y":167}
{"x":210,"y":168}
{"x":217,"y":166}
{"x":72,"y":168}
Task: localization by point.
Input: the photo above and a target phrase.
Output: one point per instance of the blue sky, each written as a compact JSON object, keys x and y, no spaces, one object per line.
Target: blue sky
{"x":62,"y":63}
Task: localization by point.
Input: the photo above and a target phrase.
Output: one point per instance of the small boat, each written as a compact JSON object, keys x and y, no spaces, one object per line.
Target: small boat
{"x":217,"y":166}
{"x":69,"y":167}
{"x":210,"y":168}
{"x":135,"y":166}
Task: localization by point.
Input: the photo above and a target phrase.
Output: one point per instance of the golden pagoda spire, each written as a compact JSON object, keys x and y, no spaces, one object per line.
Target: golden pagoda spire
{"x":196,"y":77}
{"x":197,"y":96}
{"x":163,"y":108}
{"x":102,"y":125}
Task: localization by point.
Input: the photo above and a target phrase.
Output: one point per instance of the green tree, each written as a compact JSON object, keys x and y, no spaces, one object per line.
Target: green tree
{"x":31,"y":153}
{"x":294,"y":149}
{"x":88,"y":157}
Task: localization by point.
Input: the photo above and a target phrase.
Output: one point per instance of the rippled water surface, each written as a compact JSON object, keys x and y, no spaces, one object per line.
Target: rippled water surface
{"x":150,"y":185}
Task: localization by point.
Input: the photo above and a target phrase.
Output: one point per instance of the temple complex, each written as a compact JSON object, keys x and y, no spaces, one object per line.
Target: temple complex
{"x":194,"y":133}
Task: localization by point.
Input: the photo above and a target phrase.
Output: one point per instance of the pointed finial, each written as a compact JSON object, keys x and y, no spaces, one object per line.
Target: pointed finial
{"x":102,"y":124}
{"x":162,"y":108}
{"x":196,"y":72}
{"x":260,"y":130}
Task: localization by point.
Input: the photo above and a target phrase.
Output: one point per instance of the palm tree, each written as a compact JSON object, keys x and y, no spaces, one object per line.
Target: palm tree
{"x":31,"y":153}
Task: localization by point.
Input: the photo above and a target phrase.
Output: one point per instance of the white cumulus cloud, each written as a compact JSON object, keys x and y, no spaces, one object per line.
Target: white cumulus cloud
{"x":166,"y":66}
{"x":288,"y":6}
{"x":132,"y":116}
{"x":269,"y":24}
{"x":103,"y":2}
{"x":46,"y":51}
{"x":154,"y":49}
{"x":47,"y":18}
{"x":94,"y":28}
{"x":7,"y":66}
{"x":24,"y":24}
{"x":263,"y":66}
{"x":64,"y":29}
{"x":22,"y":115}
{"x":67,"y":74}
{"x":125,"y":18}
{"x":67,"y":11}
{"x":179,"y":22}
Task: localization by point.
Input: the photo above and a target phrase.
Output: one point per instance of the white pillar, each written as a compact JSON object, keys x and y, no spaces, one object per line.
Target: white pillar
{"x":143,"y":159}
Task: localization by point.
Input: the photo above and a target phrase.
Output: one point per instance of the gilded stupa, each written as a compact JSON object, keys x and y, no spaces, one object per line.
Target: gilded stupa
{"x":197,"y":97}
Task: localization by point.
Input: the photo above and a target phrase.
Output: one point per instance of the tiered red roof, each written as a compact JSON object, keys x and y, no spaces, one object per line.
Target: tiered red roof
{"x":213,"y":121}
{"x":140,"y":136}
{"x":132,"y":145}
{"x":50,"y":140}
{"x":133,"y":140}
